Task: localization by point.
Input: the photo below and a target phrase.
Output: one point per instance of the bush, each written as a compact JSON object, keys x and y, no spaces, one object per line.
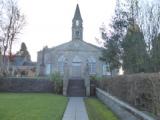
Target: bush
{"x":58,"y":82}
{"x":94,"y":77}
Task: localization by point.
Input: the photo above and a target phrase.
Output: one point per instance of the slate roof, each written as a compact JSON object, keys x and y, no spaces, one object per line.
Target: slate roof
{"x":19,"y":61}
{"x":29,"y":63}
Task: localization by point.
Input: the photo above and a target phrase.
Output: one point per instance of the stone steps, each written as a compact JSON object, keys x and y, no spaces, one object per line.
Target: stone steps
{"x":76,"y":88}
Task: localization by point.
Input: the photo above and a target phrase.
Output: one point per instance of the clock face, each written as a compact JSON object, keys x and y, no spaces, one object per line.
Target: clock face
{"x":77,"y":23}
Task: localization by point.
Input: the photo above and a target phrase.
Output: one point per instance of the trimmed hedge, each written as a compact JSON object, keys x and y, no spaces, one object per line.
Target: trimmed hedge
{"x":26,"y":85}
{"x":139,"y":90}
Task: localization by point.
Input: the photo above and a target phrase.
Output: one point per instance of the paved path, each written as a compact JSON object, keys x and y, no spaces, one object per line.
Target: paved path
{"x":75,"y":109}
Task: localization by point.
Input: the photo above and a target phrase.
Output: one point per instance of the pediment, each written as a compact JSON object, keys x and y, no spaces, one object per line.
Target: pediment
{"x":77,"y":46}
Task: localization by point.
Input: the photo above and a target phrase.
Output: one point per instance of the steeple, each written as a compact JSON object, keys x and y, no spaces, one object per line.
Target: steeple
{"x":77,"y":25}
{"x":77,"y":14}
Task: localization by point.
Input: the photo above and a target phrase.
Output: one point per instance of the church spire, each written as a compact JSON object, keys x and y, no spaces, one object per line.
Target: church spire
{"x":77,"y":25}
{"x":77,"y":14}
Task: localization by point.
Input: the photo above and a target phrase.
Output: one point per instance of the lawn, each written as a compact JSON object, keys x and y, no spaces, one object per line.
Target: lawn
{"x":98,"y":111}
{"x":34,"y":106}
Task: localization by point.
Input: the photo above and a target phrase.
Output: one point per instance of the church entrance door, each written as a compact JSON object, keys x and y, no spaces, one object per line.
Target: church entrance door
{"x":76,"y":69}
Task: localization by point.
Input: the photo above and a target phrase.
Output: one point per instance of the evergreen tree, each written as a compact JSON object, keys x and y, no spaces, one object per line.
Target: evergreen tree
{"x":134,"y":55}
{"x":111,"y":54}
{"x":134,"y":50}
{"x":23,"y":47}
{"x":130,"y":38}
{"x":23,"y":51}
{"x":112,"y":41}
{"x":155,"y":54}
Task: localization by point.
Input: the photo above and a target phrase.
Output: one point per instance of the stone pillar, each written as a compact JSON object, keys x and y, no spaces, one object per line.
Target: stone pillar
{"x":65,"y":79}
{"x":41,"y":71}
{"x":87,"y":86}
{"x":42,"y":65}
{"x":87,"y":80}
{"x":65,"y":85}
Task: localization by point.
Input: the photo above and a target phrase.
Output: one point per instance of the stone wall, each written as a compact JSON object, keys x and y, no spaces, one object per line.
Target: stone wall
{"x":26,"y":85}
{"x":121,"y":109}
{"x":139,"y":90}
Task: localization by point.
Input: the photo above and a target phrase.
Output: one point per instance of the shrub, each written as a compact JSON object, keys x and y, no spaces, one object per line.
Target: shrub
{"x":58,"y":82}
{"x":94,"y":77}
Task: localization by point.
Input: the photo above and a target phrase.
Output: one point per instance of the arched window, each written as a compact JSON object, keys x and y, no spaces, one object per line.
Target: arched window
{"x":61,"y":62}
{"x":77,"y":22}
{"x":92,"y":65}
{"x":47,"y":61}
{"x":77,"y":33}
{"x":48,"y":69}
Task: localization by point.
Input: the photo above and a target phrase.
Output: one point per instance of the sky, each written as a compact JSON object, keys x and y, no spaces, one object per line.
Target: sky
{"x":49,"y":22}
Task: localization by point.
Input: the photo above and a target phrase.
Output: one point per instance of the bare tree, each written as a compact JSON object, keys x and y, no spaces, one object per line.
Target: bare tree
{"x":149,"y":21}
{"x":11,"y":24}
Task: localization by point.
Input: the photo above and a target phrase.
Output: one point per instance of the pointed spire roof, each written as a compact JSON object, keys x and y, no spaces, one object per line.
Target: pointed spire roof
{"x":77,"y":14}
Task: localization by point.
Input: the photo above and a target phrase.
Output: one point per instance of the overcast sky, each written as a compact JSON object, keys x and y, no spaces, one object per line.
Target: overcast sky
{"x":49,"y":21}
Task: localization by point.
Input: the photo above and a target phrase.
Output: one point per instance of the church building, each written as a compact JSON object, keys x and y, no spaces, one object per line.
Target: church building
{"x":77,"y":57}
{"x":77,"y":54}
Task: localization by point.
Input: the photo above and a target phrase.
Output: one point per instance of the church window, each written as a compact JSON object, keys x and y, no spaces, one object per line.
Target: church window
{"x":106,"y":70}
{"x":92,"y":65}
{"x":48,"y":69}
{"x":92,"y":68}
{"x":77,"y":23}
{"x":61,"y":62}
{"x":47,"y":58}
{"x":77,"y":33}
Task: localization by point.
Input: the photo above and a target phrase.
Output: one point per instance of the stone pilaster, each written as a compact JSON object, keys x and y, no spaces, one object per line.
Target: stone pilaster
{"x":87,"y":81}
{"x":65,"y":78}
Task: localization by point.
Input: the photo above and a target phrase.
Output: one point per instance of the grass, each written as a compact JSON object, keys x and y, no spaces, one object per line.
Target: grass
{"x":34,"y":106}
{"x":98,"y":111}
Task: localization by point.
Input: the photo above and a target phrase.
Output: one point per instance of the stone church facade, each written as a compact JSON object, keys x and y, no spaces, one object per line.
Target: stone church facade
{"x":74,"y":59}
{"x":78,"y":55}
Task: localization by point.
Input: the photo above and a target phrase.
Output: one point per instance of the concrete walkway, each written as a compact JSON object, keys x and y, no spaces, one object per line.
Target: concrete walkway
{"x":75,"y":109}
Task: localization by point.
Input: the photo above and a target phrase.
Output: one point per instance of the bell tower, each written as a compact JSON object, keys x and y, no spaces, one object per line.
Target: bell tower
{"x":77,"y":25}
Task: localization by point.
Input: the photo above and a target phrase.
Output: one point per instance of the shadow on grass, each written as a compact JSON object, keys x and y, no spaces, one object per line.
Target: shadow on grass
{"x":98,"y":111}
